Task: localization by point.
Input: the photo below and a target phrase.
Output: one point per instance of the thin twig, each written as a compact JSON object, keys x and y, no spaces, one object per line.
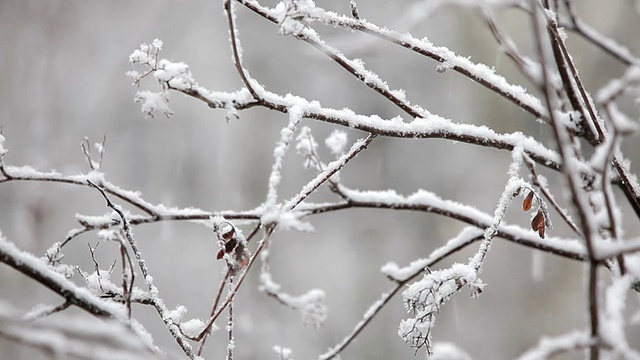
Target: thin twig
{"x":213,"y":311}
{"x":527,"y":103}
{"x":578,"y":198}
{"x":547,"y":194}
{"x":386,"y":297}
{"x":174,"y":329}
{"x":235,"y":44}
{"x":230,"y":343}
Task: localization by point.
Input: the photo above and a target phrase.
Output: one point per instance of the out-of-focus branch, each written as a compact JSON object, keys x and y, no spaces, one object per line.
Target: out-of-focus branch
{"x":578,"y":195}
{"x":571,"y":80}
{"x":37,"y":270}
{"x":608,"y":45}
{"x":67,"y":337}
{"x":509,"y":48}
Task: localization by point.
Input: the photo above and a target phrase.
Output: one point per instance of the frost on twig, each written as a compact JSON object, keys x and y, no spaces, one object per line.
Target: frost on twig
{"x":293,"y":16}
{"x":448,"y":351}
{"x":286,"y":135}
{"x":311,"y":304}
{"x":424,"y":298}
{"x":151,"y":102}
{"x":95,"y":165}
{"x":613,"y":320}
{"x":283,"y":353}
{"x":53,"y":258}
{"x":233,"y":244}
{"x":170,"y":75}
{"x":547,"y":346}
{"x":3,"y":151}
{"x":307,"y":147}
{"x":337,"y":142}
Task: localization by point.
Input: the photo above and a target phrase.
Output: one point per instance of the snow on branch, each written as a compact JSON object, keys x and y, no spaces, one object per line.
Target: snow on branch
{"x":548,"y":347}
{"x":424,"y":298}
{"x":75,"y":337}
{"x":475,"y":71}
{"x":310,"y":305}
{"x":425,"y":126}
{"x":286,"y":135}
{"x":426,"y":201}
{"x":613,"y":319}
{"x":587,"y":136}
{"x":392,"y":271}
{"x":3,"y":151}
{"x":402,"y":276}
{"x":37,"y":269}
{"x":154,"y":293}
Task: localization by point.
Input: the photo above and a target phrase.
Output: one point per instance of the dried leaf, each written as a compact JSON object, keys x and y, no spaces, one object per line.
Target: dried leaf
{"x":528,"y":202}
{"x":541,"y":231}
{"x":538,"y":221}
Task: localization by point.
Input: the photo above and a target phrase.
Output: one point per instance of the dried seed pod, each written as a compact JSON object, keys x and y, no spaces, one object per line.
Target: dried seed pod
{"x":538,"y":222}
{"x":233,"y":246}
{"x":528,"y":202}
{"x":541,"y":231}
{"x":229,"y":235}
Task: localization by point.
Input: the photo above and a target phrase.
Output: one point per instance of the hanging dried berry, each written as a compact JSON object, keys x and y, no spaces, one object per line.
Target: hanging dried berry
{"x":528,"y":202}
{"x":234,"y":246}
{"x":538,"y":223}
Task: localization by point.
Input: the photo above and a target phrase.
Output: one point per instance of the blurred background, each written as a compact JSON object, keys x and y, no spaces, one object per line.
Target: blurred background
{"x":63,"y":79}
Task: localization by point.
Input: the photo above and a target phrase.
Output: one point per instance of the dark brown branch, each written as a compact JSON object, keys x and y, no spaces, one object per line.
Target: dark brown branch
{"x":568,"y":72}
{"x":234,"y":48}
{"x":577,"y":196}
{"x":577,"y":25}
{"x":509,"y":49}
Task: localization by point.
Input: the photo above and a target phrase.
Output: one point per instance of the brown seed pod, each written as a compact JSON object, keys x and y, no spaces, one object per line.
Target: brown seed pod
{"x":528,"y":202}
{"x":538,"y":222}
{"x":229,"y":234}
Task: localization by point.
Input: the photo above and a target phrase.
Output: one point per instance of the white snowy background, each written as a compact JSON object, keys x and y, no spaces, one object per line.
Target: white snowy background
{"x":62,"y":78}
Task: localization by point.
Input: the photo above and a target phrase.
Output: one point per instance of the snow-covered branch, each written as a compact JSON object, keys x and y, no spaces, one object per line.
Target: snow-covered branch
{"x":575,"y":151}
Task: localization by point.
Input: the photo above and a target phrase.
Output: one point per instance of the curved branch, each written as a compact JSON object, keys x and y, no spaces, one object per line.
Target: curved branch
{"x":428,"y":202}
{"x":432,"y":126}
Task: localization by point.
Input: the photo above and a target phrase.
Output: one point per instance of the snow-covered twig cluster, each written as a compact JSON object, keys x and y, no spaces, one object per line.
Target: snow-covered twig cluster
{"x":586,"y":154}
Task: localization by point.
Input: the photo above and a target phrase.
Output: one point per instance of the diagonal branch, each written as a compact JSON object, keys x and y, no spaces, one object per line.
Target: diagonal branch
{"x":403,"y":277}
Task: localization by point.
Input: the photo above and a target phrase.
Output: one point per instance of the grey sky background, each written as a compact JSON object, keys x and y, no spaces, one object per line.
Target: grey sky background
{"x":63,"y":78}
